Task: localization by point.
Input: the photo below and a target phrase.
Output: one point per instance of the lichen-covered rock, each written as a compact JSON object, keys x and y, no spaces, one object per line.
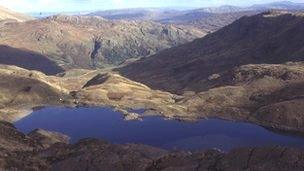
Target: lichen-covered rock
{"x":47,"y":138}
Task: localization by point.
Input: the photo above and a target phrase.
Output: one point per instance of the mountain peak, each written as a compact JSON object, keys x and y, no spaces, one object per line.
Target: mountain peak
{"x":283,"y":3}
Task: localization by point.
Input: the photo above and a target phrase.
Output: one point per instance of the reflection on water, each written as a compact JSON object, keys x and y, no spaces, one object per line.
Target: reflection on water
{"x":170,"y":134}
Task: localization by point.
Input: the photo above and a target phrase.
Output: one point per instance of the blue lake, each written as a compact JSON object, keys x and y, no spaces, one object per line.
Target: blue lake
{"x":107,"y":124}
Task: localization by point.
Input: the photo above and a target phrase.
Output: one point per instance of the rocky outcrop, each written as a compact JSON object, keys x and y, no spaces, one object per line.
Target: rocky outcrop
{"x":114,"y":90}
{"x":266,"y":94}
{"x":47,"y":138}
{"x":19,"y":151}
{"x":13,"y":140}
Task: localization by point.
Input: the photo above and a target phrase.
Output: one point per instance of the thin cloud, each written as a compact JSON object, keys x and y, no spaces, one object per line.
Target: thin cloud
{"x":88,"y":5}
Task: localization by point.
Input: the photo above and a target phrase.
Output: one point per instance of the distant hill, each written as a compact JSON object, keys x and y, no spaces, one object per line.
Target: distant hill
{"x":208,"y":19}
{"x":196,"y":18}
{"x":86,"y":42}
{"x":282,"y":5}
{"x":8,"y":14}
{"x":208,"y":22}
{"x":154,"y":14}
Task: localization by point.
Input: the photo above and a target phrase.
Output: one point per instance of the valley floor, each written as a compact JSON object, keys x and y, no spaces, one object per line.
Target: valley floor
{"x":267,"y":95}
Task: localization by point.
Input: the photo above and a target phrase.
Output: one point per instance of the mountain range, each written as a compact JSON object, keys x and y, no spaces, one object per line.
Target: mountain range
{"x":86,"y":42}
{"x":164,"y":14}
{"x":208,"y":19}
{"x":280,"y":5}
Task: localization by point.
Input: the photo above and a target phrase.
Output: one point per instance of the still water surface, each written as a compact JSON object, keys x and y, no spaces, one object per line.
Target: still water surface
{"x":98,"y":122}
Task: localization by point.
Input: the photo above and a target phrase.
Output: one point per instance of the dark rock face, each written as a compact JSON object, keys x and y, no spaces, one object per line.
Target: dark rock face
{"x":18,"y":151}
{"x":98,"y":79}
{"x":97,"y":46}
{"x":90,"y":154}
{"x":99,"y":155}
{"x":47,"y":138}
{"x":12,"y":139}
{"x":28,"y":59}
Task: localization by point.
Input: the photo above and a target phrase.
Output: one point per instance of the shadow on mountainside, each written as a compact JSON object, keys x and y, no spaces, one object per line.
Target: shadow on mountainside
{"x":28,"y":60}
{"x":267,"y":38}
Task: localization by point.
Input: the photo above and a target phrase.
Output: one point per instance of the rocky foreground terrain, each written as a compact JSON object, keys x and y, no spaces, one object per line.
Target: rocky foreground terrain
{"x":64,"y":42}
{"x":43,"y":150}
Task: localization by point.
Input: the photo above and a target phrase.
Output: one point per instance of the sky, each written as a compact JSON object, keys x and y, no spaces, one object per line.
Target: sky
{"x":27,"y":6}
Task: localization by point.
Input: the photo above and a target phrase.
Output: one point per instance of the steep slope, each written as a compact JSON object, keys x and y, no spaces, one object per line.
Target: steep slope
{"x":250,"y":70}
{"x":206,"y":21}
{"x":83,"y":42}
{"x":6,"y":14}
{"x":28,"y":59}
{"x":273,"y":37}
{"x":20,"y":90}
